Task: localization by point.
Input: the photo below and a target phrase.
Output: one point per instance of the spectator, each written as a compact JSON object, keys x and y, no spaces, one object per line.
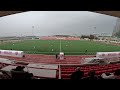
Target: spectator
{"x":85,"y":51}
{"x":117,"y":74}
{"x":91,"y":75}
{"x":19,"y":73}
{"x":56,"y":56}
{"x":107,"y":76}
{"x":99,"y":77}
{"x":64,"y":56}
{"x":29,"y":75}
{"x":78,"y":74}
{"x":23,"y":56}
{"x":19,"y":68}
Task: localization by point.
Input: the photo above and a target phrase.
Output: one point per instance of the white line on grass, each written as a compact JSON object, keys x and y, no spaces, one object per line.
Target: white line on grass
{"x":60,"y":45}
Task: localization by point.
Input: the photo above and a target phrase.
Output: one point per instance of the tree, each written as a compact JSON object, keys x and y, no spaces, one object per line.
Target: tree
{"x":1,"y":40}
{"x":91,"y":37}
{"x":85,"y":36}
{"x":117,"y":34}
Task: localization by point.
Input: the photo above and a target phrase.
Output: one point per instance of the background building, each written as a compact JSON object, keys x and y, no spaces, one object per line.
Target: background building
{"x":116,"y":31}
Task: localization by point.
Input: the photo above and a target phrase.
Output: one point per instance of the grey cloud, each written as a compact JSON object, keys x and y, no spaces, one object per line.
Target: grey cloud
{"x":56,"y":22}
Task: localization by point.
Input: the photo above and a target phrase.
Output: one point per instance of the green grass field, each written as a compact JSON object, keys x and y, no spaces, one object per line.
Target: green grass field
{"x":53,"y":47}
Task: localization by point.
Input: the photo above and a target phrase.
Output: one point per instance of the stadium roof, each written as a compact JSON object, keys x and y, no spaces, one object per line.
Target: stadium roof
{"x":5,"y":13}
{"x":111,"y":13}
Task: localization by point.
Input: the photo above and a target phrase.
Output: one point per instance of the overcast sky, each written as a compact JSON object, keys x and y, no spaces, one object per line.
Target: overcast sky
{"x":56,"y":22}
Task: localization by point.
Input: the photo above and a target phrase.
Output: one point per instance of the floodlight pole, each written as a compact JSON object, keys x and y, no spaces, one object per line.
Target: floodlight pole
{"x":32,"y":30}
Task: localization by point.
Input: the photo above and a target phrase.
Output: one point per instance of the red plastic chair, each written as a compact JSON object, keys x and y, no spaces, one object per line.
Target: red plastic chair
{"x":98,"y":72}
{"x":64,"y":75}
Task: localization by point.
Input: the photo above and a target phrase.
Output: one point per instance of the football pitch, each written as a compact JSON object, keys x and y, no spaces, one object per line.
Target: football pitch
{"x":52,"y":47}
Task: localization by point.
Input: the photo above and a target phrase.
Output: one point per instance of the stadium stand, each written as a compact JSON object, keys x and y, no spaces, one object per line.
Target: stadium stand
{"x":66,"y":71}
{"x":63,"y":70}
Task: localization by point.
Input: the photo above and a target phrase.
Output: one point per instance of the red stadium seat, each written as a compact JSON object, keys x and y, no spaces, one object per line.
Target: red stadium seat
{"x":86,"y":74}
{"x":66,"y":78}
{"x":69,"y":71}
{"x":64,"y":75}
{"x":114,"y":69}
{"x":63,"y":71}
{"x":98,"y":72}
{"x":109,"y":70}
